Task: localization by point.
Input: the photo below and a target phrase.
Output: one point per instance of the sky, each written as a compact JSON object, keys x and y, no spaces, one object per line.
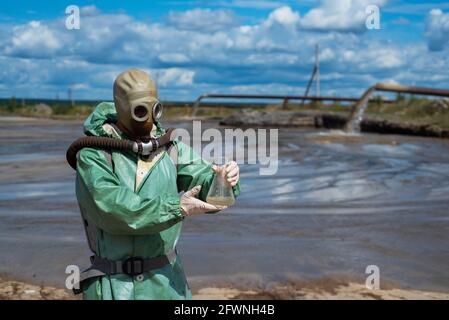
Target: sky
{"x":236,"y":46}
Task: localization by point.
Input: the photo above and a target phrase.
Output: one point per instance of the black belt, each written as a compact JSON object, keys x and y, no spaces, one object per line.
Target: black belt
{"x":132,"y":266}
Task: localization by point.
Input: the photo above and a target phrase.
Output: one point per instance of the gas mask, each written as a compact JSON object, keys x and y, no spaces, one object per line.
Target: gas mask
{"x":135,"y":97}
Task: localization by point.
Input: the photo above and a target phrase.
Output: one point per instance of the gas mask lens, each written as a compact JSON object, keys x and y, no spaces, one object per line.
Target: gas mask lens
{"x":140,"y":113}
{"x":157,"y":111}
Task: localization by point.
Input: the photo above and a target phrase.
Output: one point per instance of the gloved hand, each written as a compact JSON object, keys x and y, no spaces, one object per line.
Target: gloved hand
{"x":191,"y":206}
{"x":230,"y":171}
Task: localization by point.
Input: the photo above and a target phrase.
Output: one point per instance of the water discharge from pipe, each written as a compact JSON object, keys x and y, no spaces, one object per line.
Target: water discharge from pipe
{"x":356,"y":116}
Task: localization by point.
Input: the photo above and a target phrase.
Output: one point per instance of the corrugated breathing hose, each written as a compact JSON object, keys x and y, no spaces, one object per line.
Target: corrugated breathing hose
{"x":106,"y":143}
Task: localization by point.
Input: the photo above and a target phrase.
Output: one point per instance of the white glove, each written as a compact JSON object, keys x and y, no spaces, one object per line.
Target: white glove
{"x":191,"y":206}
{"x":230,"y":171}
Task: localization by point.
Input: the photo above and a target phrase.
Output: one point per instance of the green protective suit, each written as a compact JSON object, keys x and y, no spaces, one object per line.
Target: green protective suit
{"x":145,"y":222}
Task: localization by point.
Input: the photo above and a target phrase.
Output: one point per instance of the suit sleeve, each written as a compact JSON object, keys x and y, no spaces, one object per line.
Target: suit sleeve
{"x":117,"y":209}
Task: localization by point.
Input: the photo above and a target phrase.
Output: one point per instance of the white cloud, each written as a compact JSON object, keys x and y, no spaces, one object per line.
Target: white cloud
{"x":271,"y":88}
{"x":202,"y":19}
{"x":340,"y":15}
{"x":284,"y":16}
{"x":253,"y":4}
{"x":89,"y":10}
{"x":401,"y":21}
{"x":33,"y":37}
{"x":402,"y":7}
{"x":437,"y":29}
{"x":326,"y":54}
{"x":175,"y":77}
{"x":279,"y":31}
{"x":174,"y":58}
{"x":274,"y":55}
{"x":373,"y":57}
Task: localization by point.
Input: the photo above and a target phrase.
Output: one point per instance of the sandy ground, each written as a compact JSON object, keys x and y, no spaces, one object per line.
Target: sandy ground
{"x":313,"y":290}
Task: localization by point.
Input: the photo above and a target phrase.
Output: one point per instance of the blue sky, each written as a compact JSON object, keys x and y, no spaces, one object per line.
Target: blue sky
{"x":235,"y":46}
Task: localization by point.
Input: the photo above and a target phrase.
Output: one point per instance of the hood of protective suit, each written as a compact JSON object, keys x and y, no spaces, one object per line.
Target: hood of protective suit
{"x":104,"y":113}
{"x":135,"y":98}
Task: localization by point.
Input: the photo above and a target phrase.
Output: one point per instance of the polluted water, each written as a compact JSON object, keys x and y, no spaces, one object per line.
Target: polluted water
{"x":220,"y":192}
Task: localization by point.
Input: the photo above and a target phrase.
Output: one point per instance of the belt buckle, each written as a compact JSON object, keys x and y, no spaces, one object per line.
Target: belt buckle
{"x":133,"y":266}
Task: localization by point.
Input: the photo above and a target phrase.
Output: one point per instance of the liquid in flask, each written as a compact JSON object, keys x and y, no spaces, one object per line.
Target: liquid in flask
{"x":220,"y":192}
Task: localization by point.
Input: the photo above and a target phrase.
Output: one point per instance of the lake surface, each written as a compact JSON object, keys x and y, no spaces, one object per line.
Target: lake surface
{"x":336,"y":205}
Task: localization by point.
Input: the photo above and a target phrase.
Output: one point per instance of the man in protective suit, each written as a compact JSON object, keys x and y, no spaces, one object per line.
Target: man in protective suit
{"x":130,"y":202}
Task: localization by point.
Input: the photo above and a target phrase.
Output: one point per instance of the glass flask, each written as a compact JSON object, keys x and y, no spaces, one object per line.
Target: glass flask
{"x":220,"y":192}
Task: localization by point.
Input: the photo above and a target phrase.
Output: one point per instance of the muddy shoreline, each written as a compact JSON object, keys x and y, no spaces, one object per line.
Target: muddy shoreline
{"x":321,"y":289}
{"x":330,"y":120}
